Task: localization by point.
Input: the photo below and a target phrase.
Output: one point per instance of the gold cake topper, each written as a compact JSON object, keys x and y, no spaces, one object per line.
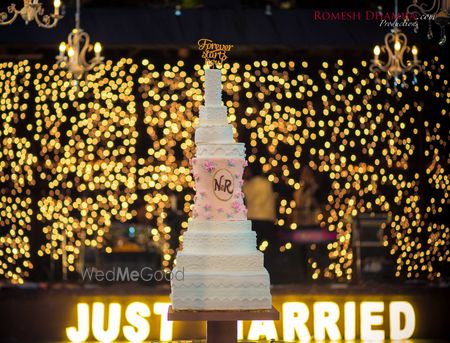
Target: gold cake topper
{"x":214,"y":54}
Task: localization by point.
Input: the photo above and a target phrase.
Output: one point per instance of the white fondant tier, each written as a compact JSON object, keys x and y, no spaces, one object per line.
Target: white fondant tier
{"x":221,"y":290}
{"x":213,"y":87}
{"x":213,"y":115}
{"x":231,"y":302}
{"x":214,"y":134}
{"x":200,"y":262}
{"x":233,"y":150}
{"x":219,"y":225}
{"x":219,"y":242}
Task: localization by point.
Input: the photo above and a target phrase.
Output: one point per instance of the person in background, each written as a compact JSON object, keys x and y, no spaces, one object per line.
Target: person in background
{"x":260,"y":200}
{"x":307,"y":205}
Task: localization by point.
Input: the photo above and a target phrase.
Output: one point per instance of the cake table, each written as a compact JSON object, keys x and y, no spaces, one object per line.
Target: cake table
{"x":221,"y":326}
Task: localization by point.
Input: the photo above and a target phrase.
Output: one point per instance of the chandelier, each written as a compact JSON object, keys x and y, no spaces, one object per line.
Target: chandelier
{"x":72,"y":55}
{"x":395,"y":48}
{"x":32,"y":10}
{"x":439,"y":11}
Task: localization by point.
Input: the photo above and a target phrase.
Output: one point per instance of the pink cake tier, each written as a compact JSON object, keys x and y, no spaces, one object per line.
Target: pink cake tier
{"x":219,"y":188}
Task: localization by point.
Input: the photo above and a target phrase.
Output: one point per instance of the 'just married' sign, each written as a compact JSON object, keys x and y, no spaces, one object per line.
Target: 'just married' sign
{"x":214,"y":54}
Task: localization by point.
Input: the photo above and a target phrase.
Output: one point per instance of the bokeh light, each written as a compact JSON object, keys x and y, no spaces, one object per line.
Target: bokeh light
{"x":74,"y":159}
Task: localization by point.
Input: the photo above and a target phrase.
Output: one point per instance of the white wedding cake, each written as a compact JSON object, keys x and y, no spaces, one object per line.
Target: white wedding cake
{"x":223,"y":270}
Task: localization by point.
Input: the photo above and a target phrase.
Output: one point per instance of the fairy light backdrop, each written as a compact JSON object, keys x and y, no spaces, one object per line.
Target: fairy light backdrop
{"x":72,"y":160}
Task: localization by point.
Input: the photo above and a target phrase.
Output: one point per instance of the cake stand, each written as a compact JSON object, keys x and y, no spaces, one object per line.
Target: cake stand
{"x":221,"y":326}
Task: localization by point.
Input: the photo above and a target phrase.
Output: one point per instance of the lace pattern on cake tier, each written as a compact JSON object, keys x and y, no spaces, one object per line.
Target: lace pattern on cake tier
{"x":214,"y":134}
{"x":213,"y":115}
{"x":234,"y":150}
{"x":219,"y":285}
{"x":225,"y":263}
{"x":213,"y":87}
{"x":218,"y":242}
{"x":222,"y":303}
{"x":219,"y":225}
{"x":229,"y":298}
{"x":205,"y":286}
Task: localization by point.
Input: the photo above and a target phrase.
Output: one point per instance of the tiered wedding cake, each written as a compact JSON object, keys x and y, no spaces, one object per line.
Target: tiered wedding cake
{"x":223,"y":270}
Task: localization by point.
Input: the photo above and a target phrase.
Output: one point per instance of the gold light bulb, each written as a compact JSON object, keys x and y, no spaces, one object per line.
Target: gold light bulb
{"x":97,"y":47}
{"x":376,"y":50}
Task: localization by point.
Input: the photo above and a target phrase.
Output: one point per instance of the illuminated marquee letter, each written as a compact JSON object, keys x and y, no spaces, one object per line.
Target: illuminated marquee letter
{"x":326,"y":315}
{"x":83,"y":325}
{"x":260,"y":328}
{"x":350,"y":320}
{"x":368,"y":319}
{"x":396,"y":308}
{"x":139,"y":329}
{"x":240,"y":330}
{"x":98,"y":317}
{"x":165,"y":331}
{"x":295,"y":316}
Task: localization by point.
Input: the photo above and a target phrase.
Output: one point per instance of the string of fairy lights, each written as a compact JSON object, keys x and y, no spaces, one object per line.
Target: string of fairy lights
{"x":88,"y":170}
{"x":16,"y":174}
{"x":73,"y":160}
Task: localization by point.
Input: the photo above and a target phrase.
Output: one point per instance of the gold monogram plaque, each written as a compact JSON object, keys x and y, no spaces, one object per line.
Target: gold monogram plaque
{"x":214,"y":54}
{"x":223,"y":184}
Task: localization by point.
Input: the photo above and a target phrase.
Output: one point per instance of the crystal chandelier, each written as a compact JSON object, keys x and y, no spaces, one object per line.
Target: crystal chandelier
{"x":439,"y":11}
{"x":72,"y":55}
{"x":32,"y":10}
{"x":395,"y":49}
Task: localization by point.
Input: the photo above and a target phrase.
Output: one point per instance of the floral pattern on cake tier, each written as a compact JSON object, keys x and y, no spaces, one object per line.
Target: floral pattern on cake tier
{"x":219,"y":189}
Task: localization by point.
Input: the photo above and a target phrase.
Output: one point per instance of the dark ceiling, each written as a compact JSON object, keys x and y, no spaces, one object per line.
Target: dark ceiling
{"x":286,"y":4}
{"x":130,"y":27}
